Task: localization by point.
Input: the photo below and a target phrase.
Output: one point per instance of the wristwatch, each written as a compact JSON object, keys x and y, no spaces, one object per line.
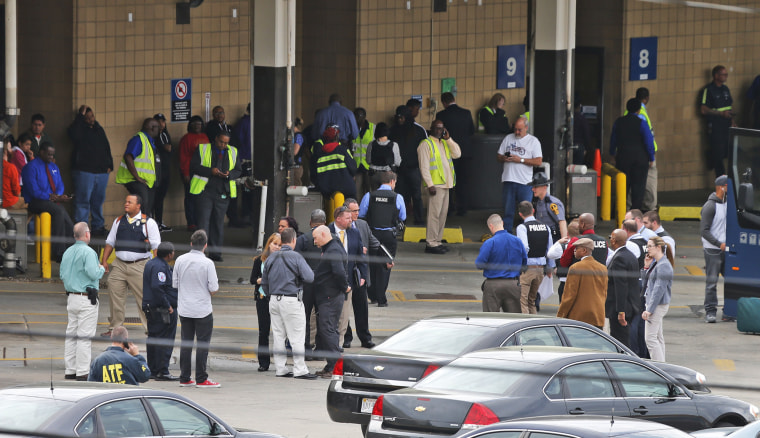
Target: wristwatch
{"x":522,"y":160}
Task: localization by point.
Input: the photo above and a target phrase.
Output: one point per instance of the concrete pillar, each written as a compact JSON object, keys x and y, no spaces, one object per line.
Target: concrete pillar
{"x":269,"y":24}
{"x":551,"y":114}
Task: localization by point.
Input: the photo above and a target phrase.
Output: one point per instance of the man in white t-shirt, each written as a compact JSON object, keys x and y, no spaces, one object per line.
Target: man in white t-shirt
{"x":520,"y":152}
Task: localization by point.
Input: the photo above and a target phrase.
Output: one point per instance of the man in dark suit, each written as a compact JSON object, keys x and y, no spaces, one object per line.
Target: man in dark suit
{"x":458,"y":121}
{"x":357,"y":271}
{"x":622,"y":287}
{"x":359,"y":299}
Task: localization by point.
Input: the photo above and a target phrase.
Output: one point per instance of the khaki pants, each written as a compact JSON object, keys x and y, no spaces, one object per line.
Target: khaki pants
{"x":650,"y":194}
{"x":122,"y":278}
{"x":501,"y":294}
{"x":438,"y":209}
{"x":529,"y":282}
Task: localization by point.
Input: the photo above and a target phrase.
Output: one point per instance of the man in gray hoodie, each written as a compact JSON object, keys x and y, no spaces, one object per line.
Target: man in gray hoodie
{"x":713,"y":229}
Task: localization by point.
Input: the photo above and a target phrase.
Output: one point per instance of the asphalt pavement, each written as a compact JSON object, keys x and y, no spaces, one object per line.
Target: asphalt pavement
{"x":33,"y":318}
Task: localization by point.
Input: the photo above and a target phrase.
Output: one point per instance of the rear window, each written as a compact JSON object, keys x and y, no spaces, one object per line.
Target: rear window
{"x":27,"y":414}
{"x":435,"y":338}
{"x":480,"y":376}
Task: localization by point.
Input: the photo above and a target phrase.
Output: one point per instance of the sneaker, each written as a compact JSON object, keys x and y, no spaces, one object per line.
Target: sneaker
{"x":208,"y":383}
{"x":728,"y":319}
{"x":710,"y":318}
{"x":187,"y":383}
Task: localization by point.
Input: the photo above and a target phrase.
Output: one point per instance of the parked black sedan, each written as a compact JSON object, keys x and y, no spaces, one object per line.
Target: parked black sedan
{"x":489,"y":386}
{"x":420,"y":348}
{"x":93,"y":410}
{"x":567,"y":426}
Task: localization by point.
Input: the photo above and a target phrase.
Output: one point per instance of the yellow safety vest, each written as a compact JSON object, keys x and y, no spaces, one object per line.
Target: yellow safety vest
{"x":360,"y":146}
{"x":436,"y":163}
{"x":480,"y":124}
{"x":198,"y":183}
{"x":145,"y":163}
{"x":332,"y":162}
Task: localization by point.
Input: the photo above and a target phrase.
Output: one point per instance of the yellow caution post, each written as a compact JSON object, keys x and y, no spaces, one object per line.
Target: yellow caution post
{"x":45,"y":264}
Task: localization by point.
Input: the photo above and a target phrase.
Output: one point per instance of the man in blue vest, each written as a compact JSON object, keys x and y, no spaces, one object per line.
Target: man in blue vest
{"x":138,"y":168}
{"x":214,"y":171}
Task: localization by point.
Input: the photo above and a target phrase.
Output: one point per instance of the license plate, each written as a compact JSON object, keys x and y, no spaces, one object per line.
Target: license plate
{"x":367,"y":405}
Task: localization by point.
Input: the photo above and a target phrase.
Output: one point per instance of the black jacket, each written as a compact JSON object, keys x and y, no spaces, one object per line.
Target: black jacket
{"x":357,"y":260}
{"x":623,"y":285}
{"x":92,"y":151}
{"x":458,"y":121}
{"x":330,"y":277}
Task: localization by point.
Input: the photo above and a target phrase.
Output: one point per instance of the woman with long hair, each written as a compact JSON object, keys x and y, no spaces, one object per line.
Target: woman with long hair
{"x":262,"y":300}
{"x":658,"y":281}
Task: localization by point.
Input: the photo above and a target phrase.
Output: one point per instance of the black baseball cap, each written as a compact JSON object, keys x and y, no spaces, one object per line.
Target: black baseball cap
{"x":159,"y":116}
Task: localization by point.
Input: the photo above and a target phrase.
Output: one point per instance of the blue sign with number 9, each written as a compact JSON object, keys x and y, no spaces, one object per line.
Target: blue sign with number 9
{"x":510,"y":70}
{"x":643,"y":59}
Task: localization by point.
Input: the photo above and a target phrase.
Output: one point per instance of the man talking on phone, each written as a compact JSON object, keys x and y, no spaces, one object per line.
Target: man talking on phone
{"x":436,"y":154}
{"x":121,"y":362}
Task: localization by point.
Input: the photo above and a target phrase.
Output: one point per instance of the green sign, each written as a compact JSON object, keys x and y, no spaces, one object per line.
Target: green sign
{"x":449,"y":85}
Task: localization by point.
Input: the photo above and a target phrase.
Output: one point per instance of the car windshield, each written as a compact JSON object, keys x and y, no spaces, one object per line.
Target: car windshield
{"x":26,"y":414}
{"x":426,"y":337}
{"x":477,"y":375}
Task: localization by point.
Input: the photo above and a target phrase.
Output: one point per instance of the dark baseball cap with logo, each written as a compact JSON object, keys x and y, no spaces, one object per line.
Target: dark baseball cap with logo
{"x":159,"y":116}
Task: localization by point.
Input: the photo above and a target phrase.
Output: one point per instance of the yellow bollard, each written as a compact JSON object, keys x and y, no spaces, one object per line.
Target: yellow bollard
{"x":45,"y":256}
{"x":620,"y":196}
{"x":37,"y":240}
{"x":338,"y":200}
{"x":606,"y":209}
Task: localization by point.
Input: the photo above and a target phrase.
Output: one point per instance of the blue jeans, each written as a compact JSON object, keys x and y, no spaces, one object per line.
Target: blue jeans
{"x":513,"y":193}
{"x":89,"y":197}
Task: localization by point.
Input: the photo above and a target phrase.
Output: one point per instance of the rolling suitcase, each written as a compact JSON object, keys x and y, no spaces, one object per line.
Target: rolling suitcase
{"x":748,"y":315}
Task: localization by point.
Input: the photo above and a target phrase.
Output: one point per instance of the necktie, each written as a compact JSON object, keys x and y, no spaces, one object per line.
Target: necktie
{"x":343,"y":237}
{"x":50,"y":178}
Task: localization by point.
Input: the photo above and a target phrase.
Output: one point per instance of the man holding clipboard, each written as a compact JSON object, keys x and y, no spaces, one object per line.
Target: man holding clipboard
{"x":385,"y":212}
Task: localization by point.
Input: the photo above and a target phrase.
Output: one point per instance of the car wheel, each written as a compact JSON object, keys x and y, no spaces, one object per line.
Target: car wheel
{"x":364,"y":429}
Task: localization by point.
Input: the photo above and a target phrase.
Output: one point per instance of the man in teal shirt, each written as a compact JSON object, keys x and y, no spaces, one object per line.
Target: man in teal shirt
{"x":80,"y":270}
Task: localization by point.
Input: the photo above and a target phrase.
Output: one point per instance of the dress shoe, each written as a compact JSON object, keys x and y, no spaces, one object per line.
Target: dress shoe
{"x":106,"y":334}
{"x":435,"y":250}
{"x":445,"y":248}
{"x":382,"y":304}
{"x":307,"y":376}
{"x":325,"y":374}
{"x":167,"y":377}
{"x":263,"y":369}
{"x":82,"y":378}
{"x":289,"y":374}
{"x":70,"y":376}
{"x":346,"y":345}
{"x":369,"y":344}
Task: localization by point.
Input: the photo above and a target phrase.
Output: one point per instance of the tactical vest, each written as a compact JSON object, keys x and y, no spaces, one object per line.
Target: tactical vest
{"x":600,"y":248}
{"x":145,"y":164}
{"x":554,"y":219}
{"x":436,"y":163}
{"x":538,"y":238}
{"x":132,"y":237}
{"x":382,"y":211}
{"x":198,"y":183}
{"x":360,"y":146}
{"x":382,"y":155}
{"x":642,"y":244}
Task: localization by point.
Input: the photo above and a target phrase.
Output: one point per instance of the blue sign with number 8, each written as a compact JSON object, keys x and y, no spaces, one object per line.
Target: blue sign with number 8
{"x":643,"y":59}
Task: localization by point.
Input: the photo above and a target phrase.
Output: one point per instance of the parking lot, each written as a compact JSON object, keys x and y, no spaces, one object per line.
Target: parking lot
{"x":421,"y":285}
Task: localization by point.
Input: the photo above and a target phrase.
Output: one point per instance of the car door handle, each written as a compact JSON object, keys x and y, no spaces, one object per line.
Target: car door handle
{"x":641,"y":410}
{"x":577,"y":411}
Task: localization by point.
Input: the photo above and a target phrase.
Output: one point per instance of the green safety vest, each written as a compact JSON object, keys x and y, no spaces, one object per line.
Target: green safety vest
{"x":643,"y":112}
{"x":332,"y":162}
{"x":360,"y":146}
{"x":198,"y":183}
{"x":145,"y":163}
{"x":436,"y":163}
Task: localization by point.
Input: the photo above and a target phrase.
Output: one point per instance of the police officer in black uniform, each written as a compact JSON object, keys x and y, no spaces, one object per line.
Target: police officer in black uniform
{"x":536,"y":236}
{"x":160,"y":304}
{"x":716,"y":105}
{"x":385,"y":211}
{"x":549,"y":209}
